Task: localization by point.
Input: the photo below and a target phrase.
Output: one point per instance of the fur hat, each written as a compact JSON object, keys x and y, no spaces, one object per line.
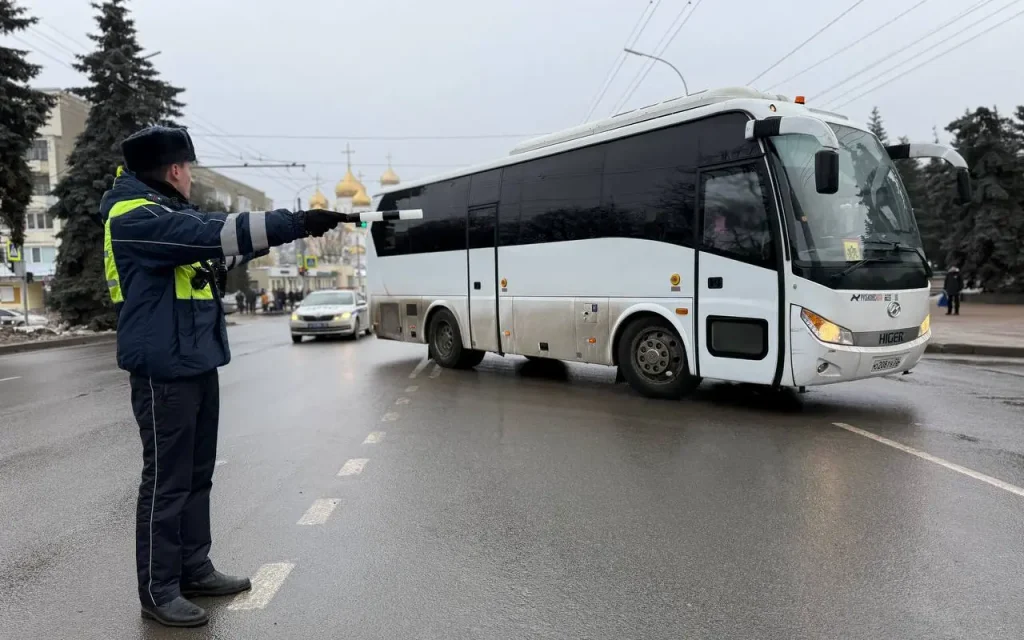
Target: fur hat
{"x":155,"y":147}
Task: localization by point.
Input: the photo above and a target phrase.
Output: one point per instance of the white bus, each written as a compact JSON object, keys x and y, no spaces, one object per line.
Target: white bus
{"x":731,"y":235}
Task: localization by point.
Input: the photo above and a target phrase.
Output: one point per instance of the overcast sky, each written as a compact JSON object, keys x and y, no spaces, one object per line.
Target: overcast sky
{"x":462,"y":68}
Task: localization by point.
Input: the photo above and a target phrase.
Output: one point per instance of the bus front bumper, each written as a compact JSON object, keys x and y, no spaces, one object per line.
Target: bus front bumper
{"x":816,"y":362}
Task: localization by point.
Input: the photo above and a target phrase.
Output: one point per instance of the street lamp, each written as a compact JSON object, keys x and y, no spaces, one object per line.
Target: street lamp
{"x":647,"y":55}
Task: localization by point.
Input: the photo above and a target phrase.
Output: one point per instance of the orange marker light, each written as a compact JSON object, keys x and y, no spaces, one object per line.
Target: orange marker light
{"x":504,"y":282}
{"x":674,"y":280}
{"x":799,"y":100}
{"x":508,"y":333}
{"x":682,"y":312}
{"x":592,"y":340}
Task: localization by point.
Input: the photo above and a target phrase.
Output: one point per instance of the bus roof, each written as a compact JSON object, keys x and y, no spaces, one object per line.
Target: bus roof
{"x":675,"y":110}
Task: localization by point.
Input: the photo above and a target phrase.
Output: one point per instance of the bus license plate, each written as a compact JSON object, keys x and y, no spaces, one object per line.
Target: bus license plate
{"x":317,"y":325}
{"x":884,"y":364}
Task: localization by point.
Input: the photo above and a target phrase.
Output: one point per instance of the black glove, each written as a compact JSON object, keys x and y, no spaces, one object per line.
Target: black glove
{"x":320,"y":221}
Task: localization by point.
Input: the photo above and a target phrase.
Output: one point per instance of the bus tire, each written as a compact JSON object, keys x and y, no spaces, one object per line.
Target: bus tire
{"x":445,"y":340}
{"x":653,"y":360}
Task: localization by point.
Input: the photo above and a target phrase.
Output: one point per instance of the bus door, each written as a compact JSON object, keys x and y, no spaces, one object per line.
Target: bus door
{"x":737,"y":288}
{"x":482,"y":262}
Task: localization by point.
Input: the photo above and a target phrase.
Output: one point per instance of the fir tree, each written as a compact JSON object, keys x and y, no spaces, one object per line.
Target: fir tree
{"x":876,"y":127}
{"x":988,"y":238}
{"x":22,"y":112}
{"x":126,"y":94}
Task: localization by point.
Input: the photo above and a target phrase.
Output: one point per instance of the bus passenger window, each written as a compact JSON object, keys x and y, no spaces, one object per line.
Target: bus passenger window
{"x":735,"y":214}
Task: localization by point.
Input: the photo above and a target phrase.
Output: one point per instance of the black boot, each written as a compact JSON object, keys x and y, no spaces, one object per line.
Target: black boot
{"x":215,"y":584}
{"x":177,"y":613}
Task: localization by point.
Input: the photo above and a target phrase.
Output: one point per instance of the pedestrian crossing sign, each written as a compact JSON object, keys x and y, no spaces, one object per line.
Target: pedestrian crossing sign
{"x":13,"y":252}
{"x":310,"y":262}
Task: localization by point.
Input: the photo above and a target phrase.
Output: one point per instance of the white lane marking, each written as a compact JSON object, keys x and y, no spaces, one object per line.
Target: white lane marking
{"x":265,"y":583}
{"x":402,"y":401}
{"x":11,"y":378}
{"x":374,"y":438}
{"x":220,"y":462}
{"x":420,"y":367}
{"x":436,"y":372}
{"x":952,"y":466}
{"x":319,"y":512}
{"x":389,"y":417}
{"x":353,"y":467}
{"x":411,"y":388}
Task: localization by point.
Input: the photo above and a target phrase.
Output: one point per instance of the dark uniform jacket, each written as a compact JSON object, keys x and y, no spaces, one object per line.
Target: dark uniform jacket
{"x":171,"y":323}
{"x":954,"y":283}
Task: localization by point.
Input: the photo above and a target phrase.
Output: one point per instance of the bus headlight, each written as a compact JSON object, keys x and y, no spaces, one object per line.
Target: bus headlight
{"x":926,"y":326}
{"x":826,"y":330}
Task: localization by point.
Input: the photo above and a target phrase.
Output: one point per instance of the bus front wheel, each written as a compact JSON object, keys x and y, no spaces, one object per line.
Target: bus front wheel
{"x":446,"y":343}
{"x":652,"y":359}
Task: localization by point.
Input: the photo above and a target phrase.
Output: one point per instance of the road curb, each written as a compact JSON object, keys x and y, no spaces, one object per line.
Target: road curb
{"x":975,"y":350}
{"x":75,"y":341}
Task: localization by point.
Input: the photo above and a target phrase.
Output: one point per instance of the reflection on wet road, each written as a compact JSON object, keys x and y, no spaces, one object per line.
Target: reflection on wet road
{"x":374,"y":495}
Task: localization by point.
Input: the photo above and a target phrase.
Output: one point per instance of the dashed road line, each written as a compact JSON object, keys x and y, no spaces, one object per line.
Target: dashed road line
{"x":265,"y":583}
{"x":353,"y":467}
{"x":952,"y":466}
{"x":319,"y":512}
{"x":374,"y":438}
{"x":420,"y":367}
{"x":220,"y":462}
{"x":402,"y":401}
{"x":436,"y":372}
{"x":389,"y":417}
{"x":411,"y":388}
{"x":11,"y":378}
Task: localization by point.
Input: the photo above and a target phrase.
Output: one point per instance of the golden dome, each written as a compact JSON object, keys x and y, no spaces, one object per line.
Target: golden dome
{"x":389,"y":177}
{"x":348,"y":186}
{"x":361,"y":199}
{"x":318,"y":200}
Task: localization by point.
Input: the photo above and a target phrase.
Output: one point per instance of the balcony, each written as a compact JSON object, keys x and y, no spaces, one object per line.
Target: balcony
{"x":42,"y":202}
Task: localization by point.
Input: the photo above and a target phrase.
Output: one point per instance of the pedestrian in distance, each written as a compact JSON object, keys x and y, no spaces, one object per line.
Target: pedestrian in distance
{"x":160,"y":259}
{"x":240,"y":301}
{"x":953,"y":286}
{"x":250,"y":296}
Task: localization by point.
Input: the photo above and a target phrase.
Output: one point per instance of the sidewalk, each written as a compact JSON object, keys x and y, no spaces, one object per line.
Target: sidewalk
{"x":980,"y":329}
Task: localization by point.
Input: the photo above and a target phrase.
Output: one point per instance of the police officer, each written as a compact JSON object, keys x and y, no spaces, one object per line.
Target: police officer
{"x":162,"y":259}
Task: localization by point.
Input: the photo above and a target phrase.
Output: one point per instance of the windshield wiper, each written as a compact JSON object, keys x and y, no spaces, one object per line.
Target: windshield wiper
{"x":853,"y":267}
{"x":896,"y":245}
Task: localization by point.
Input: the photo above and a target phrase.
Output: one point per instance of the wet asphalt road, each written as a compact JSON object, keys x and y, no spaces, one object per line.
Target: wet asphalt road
{"x":517,"y":501}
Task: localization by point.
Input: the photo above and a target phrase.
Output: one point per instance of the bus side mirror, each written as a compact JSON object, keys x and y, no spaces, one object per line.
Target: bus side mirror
{"x":963,"y":185}
{"x":826,"y":171}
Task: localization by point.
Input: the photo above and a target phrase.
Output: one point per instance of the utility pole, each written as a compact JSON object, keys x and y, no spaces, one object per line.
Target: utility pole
{"x":24,"y":285}
{"x":300,"y":252}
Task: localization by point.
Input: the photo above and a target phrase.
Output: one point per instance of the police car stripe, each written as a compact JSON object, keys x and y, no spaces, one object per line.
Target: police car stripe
{"x":258,"y":230}
{"x":229,"y":236}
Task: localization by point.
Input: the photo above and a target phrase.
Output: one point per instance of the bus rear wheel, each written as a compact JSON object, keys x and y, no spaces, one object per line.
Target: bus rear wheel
{"x":652,"y":359}
{"x":446,"y":343}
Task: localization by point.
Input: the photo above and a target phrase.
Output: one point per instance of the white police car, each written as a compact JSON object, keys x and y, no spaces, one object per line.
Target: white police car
{"x":331,"y":312}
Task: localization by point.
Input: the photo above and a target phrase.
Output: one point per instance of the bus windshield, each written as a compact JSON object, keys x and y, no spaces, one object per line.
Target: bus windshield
{"x":870,"y":211}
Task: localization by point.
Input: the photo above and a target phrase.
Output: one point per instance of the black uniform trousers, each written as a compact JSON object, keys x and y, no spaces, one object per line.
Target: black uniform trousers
{"x":178,"y":424}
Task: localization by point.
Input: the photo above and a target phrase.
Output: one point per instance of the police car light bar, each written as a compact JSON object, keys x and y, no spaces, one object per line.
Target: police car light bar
{"x":379,"y":216}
